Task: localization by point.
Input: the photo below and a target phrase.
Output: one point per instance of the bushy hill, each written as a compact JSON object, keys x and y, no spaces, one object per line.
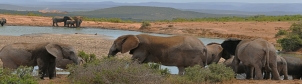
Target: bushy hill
{"x":144,"y":12}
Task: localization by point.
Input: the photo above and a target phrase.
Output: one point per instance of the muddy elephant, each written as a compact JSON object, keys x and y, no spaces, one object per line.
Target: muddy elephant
{"x":255,"y":54}
{"x":70,"y":23}
{"x":180,"y":51}
{"x":31,"y":54}
{"x":55,"y":20}
{"x":294,"y":66}
{"x":78,"y":20}
{"x":214,"y":53}
{"x":63,"y":63}
{"x":282,"y":68}
{"x":2,"y":21}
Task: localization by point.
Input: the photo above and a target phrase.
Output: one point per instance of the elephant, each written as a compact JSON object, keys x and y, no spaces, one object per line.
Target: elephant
{"x":70,"y":23}
{"x":63,"y":63}
{"x":282,"y":68}
{"x":180,"y":51}
{"x":241,"y":67}
{"x":214,"y":53}
{"x":2,"y":21}
{"x":294,"y":66}
{"x":55,"y":20}
{"x":78,"y":20}
{"x":254,"y":54}
{"x":43,"y":54}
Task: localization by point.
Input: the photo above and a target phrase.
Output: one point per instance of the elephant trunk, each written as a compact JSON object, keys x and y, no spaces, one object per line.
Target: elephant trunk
{"x":113,"y":51}
{"x":75,"y":60}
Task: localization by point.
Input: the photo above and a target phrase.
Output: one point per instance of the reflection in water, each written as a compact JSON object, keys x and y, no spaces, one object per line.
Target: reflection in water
{"x":21,"y":30}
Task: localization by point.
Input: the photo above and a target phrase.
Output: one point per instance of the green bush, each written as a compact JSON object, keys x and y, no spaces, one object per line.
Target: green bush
{"x":197,"y":75}
{"x":115,"y":71}
{"x":292,"y":41}
{"x":145,"y":24}
{"x":23,"y":75}
{"x":281,"y":32}
{"x":88,"y":58}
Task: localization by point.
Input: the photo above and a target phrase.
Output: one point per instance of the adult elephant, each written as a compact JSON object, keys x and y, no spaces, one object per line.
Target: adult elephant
{"x":294,"y":66}
{"x":215,"y":52}
{"x":254,"y":54}
{"x":55,"y":20}
{"x":180,"y":51}
{"x":31,"y":54}
{"x":78,"y":20}
{"x":2,"y":21}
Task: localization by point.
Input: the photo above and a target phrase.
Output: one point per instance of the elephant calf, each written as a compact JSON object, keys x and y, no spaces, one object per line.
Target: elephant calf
{"x":215,"y":52}
{"x":2,"y":21}
{"x":282,"y":68}
{"x":294,"y":66}
{"x":70,"y":23}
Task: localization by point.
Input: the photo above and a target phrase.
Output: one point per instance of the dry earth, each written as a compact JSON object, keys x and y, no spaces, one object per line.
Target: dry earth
{"x":99,"y":44}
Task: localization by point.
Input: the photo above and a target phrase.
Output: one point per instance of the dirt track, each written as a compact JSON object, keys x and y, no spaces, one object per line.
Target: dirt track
{"x":99,"y":45}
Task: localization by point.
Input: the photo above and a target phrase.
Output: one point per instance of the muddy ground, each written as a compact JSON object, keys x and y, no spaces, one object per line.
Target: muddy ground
{"x":99,"y":44}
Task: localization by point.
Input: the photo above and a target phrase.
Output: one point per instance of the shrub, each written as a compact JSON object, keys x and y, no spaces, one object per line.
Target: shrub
{"x":112,"y":71}
{"x":88,"y":58}
{"x":292,"y":41}
{"x":281,"y":32}
{"x":214,"y":73}
{"x":23,"y":75}
{"x":145,"y":24}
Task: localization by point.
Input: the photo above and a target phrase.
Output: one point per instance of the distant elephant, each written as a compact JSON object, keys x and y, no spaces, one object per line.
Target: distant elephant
{"x":70,"y":23}
{"x":254,"y":54}
{"x":63,"y":63}
{"x":55,"y":20}
{"x":214,"y":53}
{"x":180,"y":51}
{"x":294,"y":66}
{"x":78,"y":20}
{"x":2,"y":21}
{"x":282,"y":68}
{"x":31,"y":54}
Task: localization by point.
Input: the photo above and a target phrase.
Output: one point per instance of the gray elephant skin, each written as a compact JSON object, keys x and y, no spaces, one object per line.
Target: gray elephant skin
{"x":63,"y":63}
{"x":255,"y":54}
{"x":282,"y":68}
{"x":294,"y":66}
{"x":78,"y":20}
{"x":215,"y":52}
{"x":180,"y":51}
{"x":2,"y":21}
{"x":55,"y":20}
{"x":70,"y":23}
{"x":31,"y":54}
{"x":241,"y":68}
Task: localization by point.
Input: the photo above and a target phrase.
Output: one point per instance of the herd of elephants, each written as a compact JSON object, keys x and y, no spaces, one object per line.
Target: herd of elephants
{"x":257,"y":58}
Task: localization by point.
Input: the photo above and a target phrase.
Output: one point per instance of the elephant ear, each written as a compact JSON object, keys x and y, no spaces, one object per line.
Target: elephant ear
{"x":127,"y":43}
{"x":54,"y":50}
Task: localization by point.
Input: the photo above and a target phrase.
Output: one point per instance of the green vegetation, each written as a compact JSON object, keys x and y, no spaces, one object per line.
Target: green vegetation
{"x":145,"y":25}
{"x":20,"y":76}
{"x":124,"y":70}
{"x":215,"y":73}
{"x":293,"y":40}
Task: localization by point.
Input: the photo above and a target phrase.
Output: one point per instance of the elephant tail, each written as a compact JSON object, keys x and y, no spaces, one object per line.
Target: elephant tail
{"x":267,"y":58}
{"x":206,"y":54}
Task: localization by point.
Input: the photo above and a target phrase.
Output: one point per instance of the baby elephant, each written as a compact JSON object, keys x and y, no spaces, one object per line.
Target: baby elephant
{"x":70,"y":23}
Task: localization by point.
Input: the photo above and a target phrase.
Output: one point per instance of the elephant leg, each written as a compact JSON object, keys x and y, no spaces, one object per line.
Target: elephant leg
{"x":284,"y":71}
{"x":275,"y":73}
{"x":57,"y":24}
{"x":249,"y":72}
{"x":181,"y":70}
{"x":258,"y":72}
{"x":53,"y":23}
{"x":42,"y":68}
{"x":52,"y":68}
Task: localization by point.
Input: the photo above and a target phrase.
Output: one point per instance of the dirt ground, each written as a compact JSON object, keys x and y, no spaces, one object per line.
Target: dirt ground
{"x":100,"y":45}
